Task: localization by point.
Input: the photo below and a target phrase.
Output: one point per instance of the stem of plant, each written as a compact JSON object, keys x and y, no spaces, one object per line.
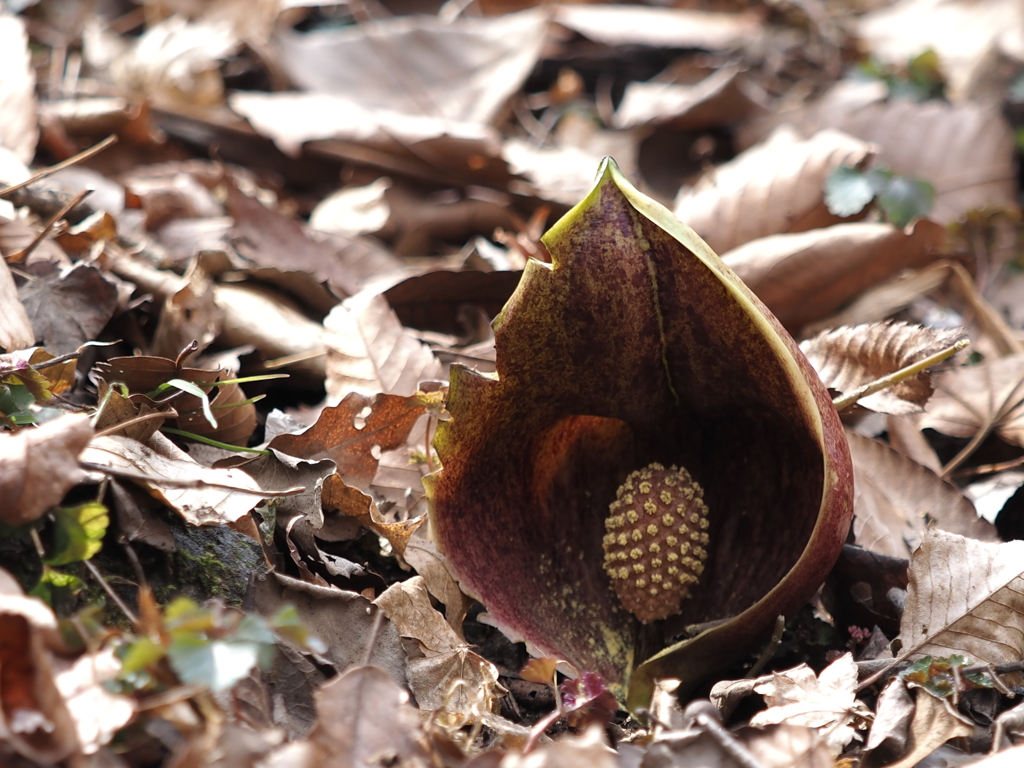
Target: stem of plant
{"x":849,"y":399}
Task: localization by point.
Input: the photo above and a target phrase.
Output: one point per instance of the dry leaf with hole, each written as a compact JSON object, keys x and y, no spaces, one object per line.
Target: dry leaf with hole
{"x":354,"y":433}
{"x":369,"y":351}
{"x":805,"y":276}
{"x":935,"y":722}
{"x":827,"y":701}
{"x":988,"y":396}
{"x":965,"y":597}
{"x":769,"y":189}
{"x":201,"y":495}
{"x":895,"y":499}
{"x":850,"y":357}
{"x":38,"y":465}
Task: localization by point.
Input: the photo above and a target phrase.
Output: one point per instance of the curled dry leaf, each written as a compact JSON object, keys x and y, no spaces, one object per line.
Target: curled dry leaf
{"x":338,"y":497}
{"x":352,"y":432}
{"x":19,"y":129}
{"x":850,"y":357}
{"x":965,"y":597}
{"x":201,"y":495}
{"x":769,"y":189}
{"x":369,"y":351}
{"x":15,"y":329}
{"x":39,"y":465}
{"x":826,"y":701}
{"x":808,"y":275}
{"x":988,"y":396}
{"x":896,"y":499}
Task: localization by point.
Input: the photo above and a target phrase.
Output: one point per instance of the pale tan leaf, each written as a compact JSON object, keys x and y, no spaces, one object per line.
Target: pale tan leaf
{"x":39,"y":465}
{"x":614,"y":24}
{"x":895,"y":500}
{"x":15,"y":329}
{"x":850,"y":357}
{"x":935,"y":722}
{"x":965,"y":597}
{"x":98,"y":713}
{"x":216,"y":496}
{"x":407,"y":604}
{"x":588,"y":750}
{"x":905,"y":437}
{"x":772,"y":188}
{"x":894,"y":711}
{"x":827,"y":701}
{"x":368,"y":350}
{"x":18,"y":130}
{"x":965,"y":150}
{"x":989,"y":395}
{"x":1008,"y":758}
{"x":807,"y":275}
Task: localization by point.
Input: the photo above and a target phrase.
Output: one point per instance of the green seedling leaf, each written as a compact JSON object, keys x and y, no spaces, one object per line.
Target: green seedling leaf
{"x":15,"y":401}
{"x":140,"y":655}
{"x":216,"y":664}
{"x":78,"y":533}
{"x":192,"y":389}
{"x":287,"y":624}
{"x":214,"y":443}
{"x":936,"y":675}
{"x":847,"y":191}
{"x":903,"y":200}
{"x":52,"y":583}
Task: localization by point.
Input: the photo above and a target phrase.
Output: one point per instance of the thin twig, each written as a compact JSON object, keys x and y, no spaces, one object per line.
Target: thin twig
{"x":845,"y":401}
{"x":727,"y":742}
{"x":94,"y":571}
{"x":170,"y":482}
{"x":93,"y":150}
{"x":38,"y":239}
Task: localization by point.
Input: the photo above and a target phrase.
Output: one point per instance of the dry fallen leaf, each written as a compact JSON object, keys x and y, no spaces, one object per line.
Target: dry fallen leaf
{"x":772,"y":188}
{"x":98,"y":713}
{"x":201,"y":495}
{"x":39,"y":465}
{"x":805,"y":276}
{"x":613,"y":24}
{"x":851,"y":356}
{"x":368,"y":350}
{"x":19,"y":130}
{"x":15,"y":329}
{"x":893,"y":713}
{"x":349,"y":501}
{"x":985,"y":397}
{"x":965,"y":597}
{"x":935,"y":722}
{"x":354,"y":433}
{"x":588,"y":750}
{"x":827,"y":701}
{"x":896,"y":499}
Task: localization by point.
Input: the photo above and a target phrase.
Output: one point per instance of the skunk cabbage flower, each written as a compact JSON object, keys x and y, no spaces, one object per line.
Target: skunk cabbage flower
{"x":655,"y":473}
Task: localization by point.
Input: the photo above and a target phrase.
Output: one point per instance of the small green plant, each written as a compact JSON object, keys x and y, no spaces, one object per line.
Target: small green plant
{"x":920,"y":80}
{"x":937,"y":675}
{"x":849,"y":190}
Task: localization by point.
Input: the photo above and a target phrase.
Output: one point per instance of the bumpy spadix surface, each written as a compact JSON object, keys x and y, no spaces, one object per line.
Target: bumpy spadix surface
{"x":656,"y":541}
{"x":637,"y":345}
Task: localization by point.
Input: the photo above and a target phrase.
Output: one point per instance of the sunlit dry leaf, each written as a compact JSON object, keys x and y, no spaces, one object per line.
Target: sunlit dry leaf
{"x":588,"y":750}
{"x":896,"y":499}
{"x":421,"y":553}
{"x":770,"y":189}
{"x":34,"y":718}
{"x":893,"y":713}
{"x":231,"y":494}
{"x":98,"y":713}
{"x":368,"y":350}
{"x":1008,"y":758}
{"x":987,"y":396}
{"x":965,"y":150}
{"x":462,"y":70}
{"x":353,"y":211}
{"x":659,"y":27}
{"x":965,"y":597}
{"x":991,"y":494}
{"x":18,"y":129}
{"x":39,"y":465}
{"x":353,"y":433}
{"x":805,"y":276}
{"x":15,"y":329}
{"x":188,"y":315}
{"x":935,"y":722}
{"x":850,"y":357}
{"x":967,"y":36}
{"x":826,"y":701}
{"x":559,"y":174}
{"x":722,"y":98}
{"x":450,"y":677}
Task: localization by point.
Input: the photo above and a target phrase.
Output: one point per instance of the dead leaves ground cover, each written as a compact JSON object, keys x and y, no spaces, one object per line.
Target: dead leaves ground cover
{"x":227,"y":333}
